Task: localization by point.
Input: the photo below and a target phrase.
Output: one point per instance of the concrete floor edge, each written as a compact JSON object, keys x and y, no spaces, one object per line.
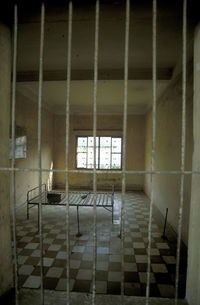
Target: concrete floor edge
{"x":32,"y":297}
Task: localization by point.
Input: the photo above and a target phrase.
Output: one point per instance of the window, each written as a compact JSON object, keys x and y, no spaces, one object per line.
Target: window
{"x":20,"y":148}
{"x":108,"y":152}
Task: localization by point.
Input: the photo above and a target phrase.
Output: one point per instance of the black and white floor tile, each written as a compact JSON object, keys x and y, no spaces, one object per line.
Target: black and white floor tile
{"x":109,"y":251}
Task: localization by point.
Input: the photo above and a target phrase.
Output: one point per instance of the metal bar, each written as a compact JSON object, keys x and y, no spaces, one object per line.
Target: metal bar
{"x":35,"y":188}
{"x":96,"y":53}
{"x":99,"y":141}
{"x":78,"y":225}
{"x":113,"y":189}
{"x":38,"y":222}
{"x":87,"y":155}
{"x":153,"y":145}
{"x":125,"y":102}
{"x":115,"y":172}
{"x":39,"y":143}
{"x":111,"y":153}
{"x":27,"y":208}
{"x":69,"y":47}
{"x":165,"y":224}
{"x":183,"y":144}
{"x":13,"y":181}
{"x":112,"y":211}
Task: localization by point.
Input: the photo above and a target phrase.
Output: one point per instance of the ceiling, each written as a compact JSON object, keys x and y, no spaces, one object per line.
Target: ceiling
{"x":111,"y":54}
{"x":109,"y":95}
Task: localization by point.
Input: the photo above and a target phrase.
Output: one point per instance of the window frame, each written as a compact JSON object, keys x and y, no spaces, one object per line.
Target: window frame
{"x":97,"y":168}
{"x":23,"y":145}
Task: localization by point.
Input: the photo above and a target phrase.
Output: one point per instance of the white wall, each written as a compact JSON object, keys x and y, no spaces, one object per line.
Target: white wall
{"x":26,"y":122}
{"x":193,"y":274}
{"x":106,"y":125}
{"x":168,"y":152}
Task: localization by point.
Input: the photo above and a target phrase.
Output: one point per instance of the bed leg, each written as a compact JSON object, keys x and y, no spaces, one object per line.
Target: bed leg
{"x":120,"y":232}
{"x":38,"y":218}
{"x":112,"y":198}
{"x":78,"y":233}
{"x":27,"y":210}
{"x":112,"y":213}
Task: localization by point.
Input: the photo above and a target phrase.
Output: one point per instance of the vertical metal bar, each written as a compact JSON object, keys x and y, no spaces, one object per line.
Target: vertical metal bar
{"x":87,"y":155}
{"x":69,"y":47}
{"x":125,"y":103}
{"x":99,"y":155}
{"x":13,"y":185}
{"x":78,"y":234}
{"x":39,"y":144}
{"x":165,"y":224}
{"x":183,"y":144}
{"x":96,"y":52}
{"x":153,"y":144}
{"x":111,"y":153}
{"x":38,"y":222}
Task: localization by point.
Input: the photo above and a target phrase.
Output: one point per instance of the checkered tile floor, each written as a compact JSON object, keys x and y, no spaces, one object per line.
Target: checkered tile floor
{"x":108,"y":271}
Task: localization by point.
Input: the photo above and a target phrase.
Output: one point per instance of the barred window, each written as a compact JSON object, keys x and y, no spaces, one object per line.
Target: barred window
{"x":108,"y":152}
{"x":20,"y":148}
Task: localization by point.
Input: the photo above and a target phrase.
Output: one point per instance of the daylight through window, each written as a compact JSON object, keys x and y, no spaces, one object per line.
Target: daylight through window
{"x":20,"y":148}
{"x":108,"y":152}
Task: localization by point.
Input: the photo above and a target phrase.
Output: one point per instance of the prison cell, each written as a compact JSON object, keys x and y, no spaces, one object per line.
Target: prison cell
{"x":124,"y":172}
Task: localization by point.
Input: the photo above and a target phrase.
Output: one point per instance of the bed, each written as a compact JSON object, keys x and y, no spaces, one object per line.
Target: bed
{"x":40,"y":195}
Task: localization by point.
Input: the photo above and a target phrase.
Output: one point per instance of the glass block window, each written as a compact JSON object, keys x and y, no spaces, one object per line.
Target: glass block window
{"x":20,"y":148}
{"x":108,"y":152}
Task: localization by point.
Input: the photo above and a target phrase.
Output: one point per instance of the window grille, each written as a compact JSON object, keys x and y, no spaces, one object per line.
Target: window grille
{"x":108,"y":152}
{"x":20,"y":148}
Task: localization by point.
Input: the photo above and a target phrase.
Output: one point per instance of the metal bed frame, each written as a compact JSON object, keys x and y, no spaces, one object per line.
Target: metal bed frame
{"x":40,"y":195}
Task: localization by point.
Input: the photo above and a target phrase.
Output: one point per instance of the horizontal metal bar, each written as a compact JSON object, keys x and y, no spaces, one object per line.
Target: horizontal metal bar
{"x":128,"y":172}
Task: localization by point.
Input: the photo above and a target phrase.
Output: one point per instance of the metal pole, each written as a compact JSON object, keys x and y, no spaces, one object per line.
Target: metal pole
{"x":163,"y":236}
{"x":183,"y":144}
{"x":39,"y":144}
{"x":153,"y":144}
{"x":102,"y":172}
{"x":96,"y":52}
{"x":27,"y":208}
{"x":13,"y":182}
{"x":125,"y":102}
{"x":77,"y":213}
{"x":69,"y":47}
